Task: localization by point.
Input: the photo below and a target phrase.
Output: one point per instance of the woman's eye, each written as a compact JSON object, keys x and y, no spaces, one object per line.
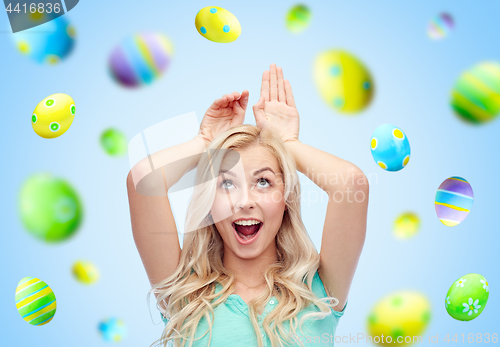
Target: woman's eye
{"x":265,"y":180}
{"x":225,"y":181}
{"x":229,"y":182}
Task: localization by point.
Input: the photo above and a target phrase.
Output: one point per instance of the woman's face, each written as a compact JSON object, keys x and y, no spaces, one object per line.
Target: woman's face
{"x":250,"y":187}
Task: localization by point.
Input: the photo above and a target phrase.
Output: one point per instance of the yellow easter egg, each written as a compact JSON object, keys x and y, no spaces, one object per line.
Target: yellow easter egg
{"x":406,"y":225}
{"x":343,"y":81}
{"x":53,"y":115}
{"x":217,"y":24}
{"x":85,"y":272}
{"x":399,"y":318}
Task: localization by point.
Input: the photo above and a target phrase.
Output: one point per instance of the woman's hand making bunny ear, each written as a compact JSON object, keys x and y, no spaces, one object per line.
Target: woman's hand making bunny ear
{"x":224,"y":114}
{"x":276,"y":106}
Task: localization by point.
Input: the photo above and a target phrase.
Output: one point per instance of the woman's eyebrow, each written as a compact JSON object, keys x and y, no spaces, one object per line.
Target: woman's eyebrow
{"x":256,"y":172}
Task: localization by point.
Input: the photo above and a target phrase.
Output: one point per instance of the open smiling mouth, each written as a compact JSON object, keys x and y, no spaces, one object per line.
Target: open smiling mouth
{"x":246,"y":233}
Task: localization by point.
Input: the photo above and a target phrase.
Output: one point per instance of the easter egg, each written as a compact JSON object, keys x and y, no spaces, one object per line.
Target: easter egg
{"x":344,"y":83}
{"x":140,"y":59}
{"x":453,"y":201}
{"x":50,"y":208}
{"x":298,"y":18}
{"x":217,"y":24}
{"x":35,"y":301}
{"x":398,"y":317}
{"x":53,"y":115}
{"x":114,"y":142}
{"x":49,"y":42}
{"x":390,"y":147}
{"x":112,"y":329}
{"x":467,"y":297}
{"x":475,"y":97}
{"x":406,"y":225}
{"x":440,"y":26}
{"x":85,"y":272}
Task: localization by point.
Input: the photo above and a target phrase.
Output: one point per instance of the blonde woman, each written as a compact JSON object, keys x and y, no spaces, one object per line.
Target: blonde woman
{"x":248,"y":273}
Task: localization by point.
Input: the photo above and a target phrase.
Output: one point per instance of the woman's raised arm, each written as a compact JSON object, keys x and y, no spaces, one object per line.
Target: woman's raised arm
{"x":346,"y":185}
{"x":153,"y":224}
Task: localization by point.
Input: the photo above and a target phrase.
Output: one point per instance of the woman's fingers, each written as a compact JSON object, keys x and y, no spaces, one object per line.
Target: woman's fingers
{"x":235,"y":95}
{"x":290,"y":101}
{"x":264,"y":89}
{"x":273,"y":83}
{"x":258,"y":111}
{"x":227,"y":99}
{"x":281,"y":86}
{"x":244,"y":99}
{"x":217,"y":103}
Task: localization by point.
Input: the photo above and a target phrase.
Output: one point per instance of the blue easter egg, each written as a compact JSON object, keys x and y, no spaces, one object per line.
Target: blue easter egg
{"x":112,"y":329}
{"x":390,"y":147}
{"x":48,"y":43}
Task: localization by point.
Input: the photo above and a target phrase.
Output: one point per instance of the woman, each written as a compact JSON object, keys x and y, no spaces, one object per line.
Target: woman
{"x":248,"y":274}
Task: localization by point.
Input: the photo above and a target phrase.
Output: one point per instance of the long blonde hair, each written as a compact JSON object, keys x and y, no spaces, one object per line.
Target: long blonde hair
{"x":187,"y":294}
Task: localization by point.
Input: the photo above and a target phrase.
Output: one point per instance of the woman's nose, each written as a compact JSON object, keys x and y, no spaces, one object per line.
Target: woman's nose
{"x":244,"y":198}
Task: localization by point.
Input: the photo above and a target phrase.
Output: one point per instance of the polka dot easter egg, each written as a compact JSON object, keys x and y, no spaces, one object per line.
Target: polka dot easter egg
{"x":298,"y":18}
{"x":217,"y":24}
{"x":49,"y":42}
{"x":406,"y":225}
{"x":344,"y":83}
{"x":453,"y":201}
{"x":50,"y":208}
{"x":35,"y":301}
{"x":140,"y":59}
{"x":467,"y":297}
{"x":390,"y":147}
{"x":399,"y":317}
{"x":85,"y":272}
{"x":112,"y":329}
{"x":53,"y":115}
{"x":475,"y":98}
{"x":440,"y":26}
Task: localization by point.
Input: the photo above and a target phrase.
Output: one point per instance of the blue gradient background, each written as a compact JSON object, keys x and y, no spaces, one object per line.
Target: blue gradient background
{"x":413,"y":78}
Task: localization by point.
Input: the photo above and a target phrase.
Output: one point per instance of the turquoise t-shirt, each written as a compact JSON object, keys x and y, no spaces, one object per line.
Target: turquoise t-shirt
{"x":232,"y":326}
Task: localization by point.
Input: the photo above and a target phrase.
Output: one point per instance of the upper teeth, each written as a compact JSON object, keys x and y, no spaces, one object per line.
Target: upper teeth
{"x":247,"y":222}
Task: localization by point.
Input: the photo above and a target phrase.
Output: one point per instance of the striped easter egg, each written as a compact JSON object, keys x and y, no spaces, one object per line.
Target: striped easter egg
{"x":453,"y":202}
{"x":35,"y":301}
{"x":140,"y":59}
{"x":475,"y":98}
{"x":440,"y":26}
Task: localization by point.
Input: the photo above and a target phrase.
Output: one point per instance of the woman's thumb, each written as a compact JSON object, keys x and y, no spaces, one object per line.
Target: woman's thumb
{"x":257,"y":107}
{"x":259,"y":104}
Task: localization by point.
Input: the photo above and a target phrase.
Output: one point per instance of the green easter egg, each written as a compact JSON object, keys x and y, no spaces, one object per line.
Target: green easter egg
{"x":467,"y":297}
{"x":475,"y":98}
{"x":50,"y":208}
{"x":298,"y":18}
{"x":35,"y":301}
{"x":114,"y":142}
